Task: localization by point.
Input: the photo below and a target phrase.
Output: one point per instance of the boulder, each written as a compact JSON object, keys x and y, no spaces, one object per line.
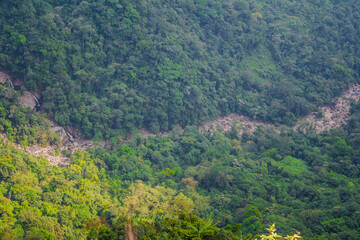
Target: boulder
{"x":4,"y":78}
{"x":27,"y":100}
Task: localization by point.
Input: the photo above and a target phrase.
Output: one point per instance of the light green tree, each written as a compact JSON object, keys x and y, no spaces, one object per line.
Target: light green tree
{"x":274,"y":236}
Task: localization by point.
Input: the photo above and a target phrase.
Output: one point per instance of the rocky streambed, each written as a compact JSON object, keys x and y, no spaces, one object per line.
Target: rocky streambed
{"x":333,"y":114}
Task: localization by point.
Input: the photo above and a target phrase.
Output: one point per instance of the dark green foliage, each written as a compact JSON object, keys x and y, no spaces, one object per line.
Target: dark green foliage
{"x":302,"y":182}
{"x":23,"y":125}
{"x":183,"y":227}
{"x":111,"y":67}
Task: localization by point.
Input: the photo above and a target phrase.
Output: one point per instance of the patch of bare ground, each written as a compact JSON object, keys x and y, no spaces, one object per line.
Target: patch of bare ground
{"x":69,"y":142}
{"x":222,"y":124}
{"x":4,"y":77}
{"x":146,"y":133}
{"x":225,"y":123}
{"x":48,"y":152}
{"x":28,"y":100}
{"x":129,"y":232}
{"x":334,"y":114}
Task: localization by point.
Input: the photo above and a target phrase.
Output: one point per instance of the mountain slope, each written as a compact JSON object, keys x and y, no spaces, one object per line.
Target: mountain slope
{"x":111,"y":67}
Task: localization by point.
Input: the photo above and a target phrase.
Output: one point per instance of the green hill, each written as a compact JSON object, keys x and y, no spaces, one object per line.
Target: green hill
{"x":111,"y":67}
{"x":184,"y":186}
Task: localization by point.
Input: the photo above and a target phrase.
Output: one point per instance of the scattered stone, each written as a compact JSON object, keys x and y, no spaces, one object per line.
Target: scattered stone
{"x":335,"y":113}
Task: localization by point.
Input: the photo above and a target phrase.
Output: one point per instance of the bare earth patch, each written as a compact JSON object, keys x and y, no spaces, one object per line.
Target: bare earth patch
{"x":39,"y":151}
{"x":4,"y":77}
{"x":225,"y":123}
{"x":71,"y":141}
{"x":68,"y":142}
{"x":335,"y":113}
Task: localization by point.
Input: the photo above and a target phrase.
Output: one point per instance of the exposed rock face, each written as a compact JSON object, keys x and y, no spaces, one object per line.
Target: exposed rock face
{"x":334,"y":114}
{"x":14,"y":82}
{"x":71,"y":139}
{"x":4,"y":78}
{"x":68,"y":142}
{"x":48,"y":152}
{"x":28,"y":100}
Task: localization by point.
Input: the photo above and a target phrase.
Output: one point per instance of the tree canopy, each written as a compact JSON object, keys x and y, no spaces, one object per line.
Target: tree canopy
{"x":111,"y":67}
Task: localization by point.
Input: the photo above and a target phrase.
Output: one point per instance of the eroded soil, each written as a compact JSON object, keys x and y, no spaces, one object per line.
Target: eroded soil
{"x":48,"y":152}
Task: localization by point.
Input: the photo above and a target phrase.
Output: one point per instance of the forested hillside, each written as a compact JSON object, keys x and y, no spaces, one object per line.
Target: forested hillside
{"x":110,"y":67}
{"x":113,"y":66}
{"x":184,"y":186}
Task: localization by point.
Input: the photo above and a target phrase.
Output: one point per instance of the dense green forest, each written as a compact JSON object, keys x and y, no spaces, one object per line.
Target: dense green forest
{"x":110,"y":67}
{"x":113,"y":66}
{"x":185,"y":186}
{"x":22,"y":125}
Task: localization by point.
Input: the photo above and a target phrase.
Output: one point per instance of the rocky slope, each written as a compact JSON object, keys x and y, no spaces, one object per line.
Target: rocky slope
{"x":331,"y":115}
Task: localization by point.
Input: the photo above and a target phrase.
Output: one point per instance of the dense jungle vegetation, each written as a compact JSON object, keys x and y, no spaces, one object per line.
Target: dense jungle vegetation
{"x":185,"y":186}
{"x":113,"y":66}
{"x":110,"y":67}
